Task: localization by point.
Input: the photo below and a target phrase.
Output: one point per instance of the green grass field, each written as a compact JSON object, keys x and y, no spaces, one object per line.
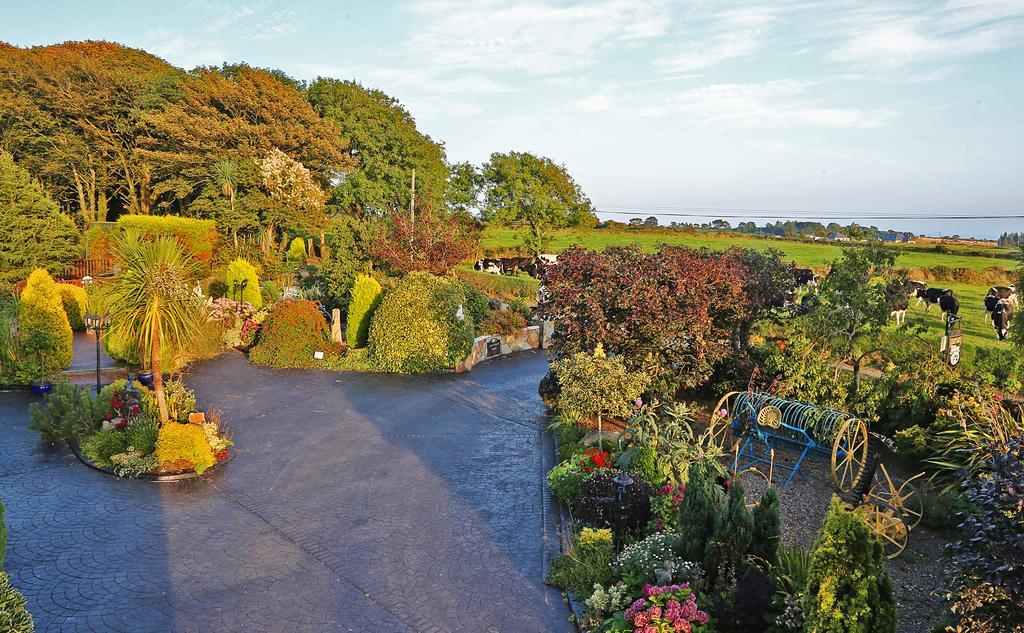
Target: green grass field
{"x":808,"y":254}
{"x":976,"y":324}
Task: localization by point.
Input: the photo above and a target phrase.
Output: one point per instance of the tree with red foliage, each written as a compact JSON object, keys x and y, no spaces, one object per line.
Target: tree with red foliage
{"x":672,"y":313}
{"x":426,"y":243}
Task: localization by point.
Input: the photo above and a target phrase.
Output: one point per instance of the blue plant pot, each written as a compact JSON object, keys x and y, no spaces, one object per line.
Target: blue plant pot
{"x":41,"y":388}
{"x":145,"y":379}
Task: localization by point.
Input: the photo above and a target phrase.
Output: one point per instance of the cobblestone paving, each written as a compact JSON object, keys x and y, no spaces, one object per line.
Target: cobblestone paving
{"x":356,"y":503}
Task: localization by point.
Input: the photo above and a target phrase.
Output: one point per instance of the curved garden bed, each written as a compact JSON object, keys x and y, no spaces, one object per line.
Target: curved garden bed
{"x":163,"y":477}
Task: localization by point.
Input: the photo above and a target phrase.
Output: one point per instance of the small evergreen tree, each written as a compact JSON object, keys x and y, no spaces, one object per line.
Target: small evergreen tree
{"x":240,"y":270}
{"x":45,"y":331}
{"x":764,"y":543}
{"x":297,"y":251}
{"x":33,"y":231}
{"x":697,"y":512}
{"x":733,"y":530}
{"x":849,"y":590}
{"x":366,"y":296}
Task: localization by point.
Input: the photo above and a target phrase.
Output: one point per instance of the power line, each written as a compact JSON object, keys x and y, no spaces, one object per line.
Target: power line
{"x":740,"y":213}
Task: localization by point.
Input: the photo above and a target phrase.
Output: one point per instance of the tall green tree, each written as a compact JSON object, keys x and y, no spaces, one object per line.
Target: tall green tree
{"x":462,"y":195}
{"x":152,"y":303}
{"x":858,"y":302}
{"x":33,"y":231}
{"x":521,"y":189}
{"x":384,"y":146}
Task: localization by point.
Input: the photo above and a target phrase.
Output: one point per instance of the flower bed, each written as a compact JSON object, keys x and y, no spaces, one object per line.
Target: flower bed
{"x":119,"y":431}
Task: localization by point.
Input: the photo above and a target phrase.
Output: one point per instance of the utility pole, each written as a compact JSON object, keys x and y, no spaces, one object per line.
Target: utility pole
{"x":412,"y":200}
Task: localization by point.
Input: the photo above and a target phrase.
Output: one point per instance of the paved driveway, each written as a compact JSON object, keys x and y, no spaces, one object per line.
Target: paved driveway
{"x":357,"y":502}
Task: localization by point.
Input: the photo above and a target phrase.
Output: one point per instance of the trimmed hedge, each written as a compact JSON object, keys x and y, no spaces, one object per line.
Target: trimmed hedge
{"x":421,"y":325}
{"x":240,"y":270}
{"x":293,"y":331}
{"x":197,"y":237}
{"x":366,"y":297}
{"x":46,"y":331}
{"x":75,"y":303}
{"x":477,"y":306}
{"x":14,"y":615}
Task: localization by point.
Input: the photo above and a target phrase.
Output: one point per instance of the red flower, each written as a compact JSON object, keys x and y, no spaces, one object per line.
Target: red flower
{"x":109,"y":416}
{"x":120,"y":426}
{"x":222,"y":455}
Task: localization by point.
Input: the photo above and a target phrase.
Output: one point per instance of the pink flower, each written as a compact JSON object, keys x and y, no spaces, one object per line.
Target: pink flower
{"x":681,"y":625}
{"x":654,"y":612}
{"x":639,"y":403}
{"x":666,"y":489}
{"x":640,"y":620}
{"x":999,"y":398}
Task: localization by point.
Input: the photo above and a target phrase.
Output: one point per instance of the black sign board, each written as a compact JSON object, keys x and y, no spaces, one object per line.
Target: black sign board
{"x":493,"y":347}
{"x":954,"y":343}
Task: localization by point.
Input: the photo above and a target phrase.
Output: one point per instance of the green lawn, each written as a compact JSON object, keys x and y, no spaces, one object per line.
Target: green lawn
{"x":976,"y":324}
{"x":807,"y":254}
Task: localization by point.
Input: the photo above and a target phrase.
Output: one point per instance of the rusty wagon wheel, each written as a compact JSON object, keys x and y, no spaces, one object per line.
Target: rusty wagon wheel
{"x":720,"y":426}
{"x":849,"y":454}
{"x":901,"y":494}
{"x":886,"y":524}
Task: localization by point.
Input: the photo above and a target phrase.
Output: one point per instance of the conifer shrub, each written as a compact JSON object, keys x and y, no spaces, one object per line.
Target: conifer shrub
{"x":848,"y":588}
{"x":75,"y":302}
{"x":240,"y":270}
{"x":14,"y":615}
{"x":183,"y":446}
{"x":366,"y":297}
{"x":421,"y":325}
{"x":764,"y":543}
{"x":291,"y":334}
{"x":45,"y":331}
{"x":296,"y":251}
{"x":698,"y":511}
{"x":734,"y":525}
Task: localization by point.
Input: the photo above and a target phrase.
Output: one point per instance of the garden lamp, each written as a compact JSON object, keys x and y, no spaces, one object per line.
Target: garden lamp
{"x":97,"y":323}
{"x":622,"y":482}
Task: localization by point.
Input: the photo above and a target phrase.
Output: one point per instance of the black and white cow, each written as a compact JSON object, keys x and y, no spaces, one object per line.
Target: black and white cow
{"x":1001,"y":317}
{"x":507,"y":265}
{"x":912,"y":288}
{"x":991,"y":301}
{"x":805,"y":278}
{"x":899,"y":292}
{"x":488,"y":265}
{"x":1005,"y":293}
{"x":931,"y":296}
{"x":949,"y":304}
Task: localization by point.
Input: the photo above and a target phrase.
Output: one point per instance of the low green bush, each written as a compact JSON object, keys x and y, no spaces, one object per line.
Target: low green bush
{"x":296,"y":251}
{"x":366,"y":297}
{"x":500,"y":286}
{"x":100,"y":446}
{"x":503,"y":322}
{"x":239,"y":271}
{"x":291,"y":334}
{"x":588,"y":564}
{"x":564,"y":479}
{"x":65,"y":413}
{"x":14,"y":615}
{"x":421,"y":325}
{"x":477,"y":307}
{"x":75,"y":302}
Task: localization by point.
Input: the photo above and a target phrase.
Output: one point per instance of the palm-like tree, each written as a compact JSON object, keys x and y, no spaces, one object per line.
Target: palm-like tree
{"x":151,"y":301}
{"x":225,"y":176}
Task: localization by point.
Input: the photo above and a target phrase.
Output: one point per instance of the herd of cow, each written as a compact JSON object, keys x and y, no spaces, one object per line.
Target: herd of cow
{"x":999,"y":302}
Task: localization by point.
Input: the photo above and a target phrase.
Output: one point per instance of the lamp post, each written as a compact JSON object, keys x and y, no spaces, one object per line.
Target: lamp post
{"x":622,"y":481}
{"x":97,"y":323}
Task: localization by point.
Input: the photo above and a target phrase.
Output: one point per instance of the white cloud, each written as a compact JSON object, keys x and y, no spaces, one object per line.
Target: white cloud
{"x":699,"y":55}
{"x":539,"y":37}
{"x":595,"y":103}
{"x":183,"y":51}
{"x":773,"y":103}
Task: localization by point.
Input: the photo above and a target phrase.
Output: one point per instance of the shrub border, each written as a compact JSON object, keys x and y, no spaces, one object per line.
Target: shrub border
{"x":180,"y":475}
{"x":565,"y":538}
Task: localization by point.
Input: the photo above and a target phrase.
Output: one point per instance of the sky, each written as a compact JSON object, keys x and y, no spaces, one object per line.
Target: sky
{"x":897,"y":114}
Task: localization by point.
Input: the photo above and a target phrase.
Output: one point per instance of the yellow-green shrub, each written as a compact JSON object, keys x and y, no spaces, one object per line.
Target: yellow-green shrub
{"x":180,"y":443}
{"x":197,"y":237}
{"x":240,"y":270}
{"x":366,"y":296}
{"x":45,"y":331}
{"x":421,"y":325}
{"x":297,"y":251}
{"x":75,"y":303}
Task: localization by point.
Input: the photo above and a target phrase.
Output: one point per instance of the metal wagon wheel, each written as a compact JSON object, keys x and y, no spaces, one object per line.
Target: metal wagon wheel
{"x":849,"y":454}
{"x":755,"y":483}
{"x":722,"y":433}
{"x":886,"y":524}
{"x":901,"y":494}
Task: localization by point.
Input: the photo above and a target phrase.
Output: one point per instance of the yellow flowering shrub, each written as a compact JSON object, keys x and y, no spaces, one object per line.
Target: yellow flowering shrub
{"x":184,"y":446}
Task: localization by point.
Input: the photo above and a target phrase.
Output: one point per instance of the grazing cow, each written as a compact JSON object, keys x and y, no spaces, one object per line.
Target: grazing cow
{"x":507,"y":265}
{"x":1005,"y":293}
{"x":990,"y":302}
{"x":899,"y":295}
{"x":913,"y":287}
{"x":931,"y":296}
{"x":488,"y":265}
{"x":805,"y":278}
{"x":949,"y":303}
{"x":1001,"y":316}
{"x":547,"y":258}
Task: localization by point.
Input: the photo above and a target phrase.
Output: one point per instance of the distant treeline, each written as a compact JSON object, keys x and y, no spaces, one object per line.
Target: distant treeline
{"x":789,"y":228}
{"x":1011,"y":240}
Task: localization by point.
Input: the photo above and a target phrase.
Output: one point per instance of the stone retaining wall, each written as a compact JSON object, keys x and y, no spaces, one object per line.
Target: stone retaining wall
{"x":533,"y":337}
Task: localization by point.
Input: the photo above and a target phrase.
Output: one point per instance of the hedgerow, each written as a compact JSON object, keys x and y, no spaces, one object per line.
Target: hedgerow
{"x":197,"y":237}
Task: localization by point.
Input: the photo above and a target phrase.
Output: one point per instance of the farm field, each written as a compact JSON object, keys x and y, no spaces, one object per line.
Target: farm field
{"x":815,"y":255}
{"x":977,"y":327}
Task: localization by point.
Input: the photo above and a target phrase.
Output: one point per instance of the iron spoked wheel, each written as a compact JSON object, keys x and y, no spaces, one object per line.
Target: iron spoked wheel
{"x":849,"y":454}
{"x":755,"y":483}
{"x":903,"y":496}
{"x":720,"y":426}
{"x":886,"y":524}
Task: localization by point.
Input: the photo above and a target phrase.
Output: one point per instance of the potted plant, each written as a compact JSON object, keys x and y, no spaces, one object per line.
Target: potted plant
{"x":40,"y":340}
{"x":145,"y":377}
